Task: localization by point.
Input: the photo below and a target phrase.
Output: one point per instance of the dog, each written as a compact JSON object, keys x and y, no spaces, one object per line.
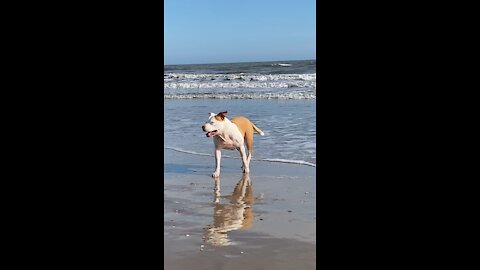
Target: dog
{"x":232,"y":135}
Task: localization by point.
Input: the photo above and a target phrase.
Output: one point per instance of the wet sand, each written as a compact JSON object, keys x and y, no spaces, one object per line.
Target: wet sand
{"x":262,"y":220}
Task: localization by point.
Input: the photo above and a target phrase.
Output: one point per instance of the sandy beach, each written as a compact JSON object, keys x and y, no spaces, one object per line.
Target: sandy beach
{"x":262,"y":220}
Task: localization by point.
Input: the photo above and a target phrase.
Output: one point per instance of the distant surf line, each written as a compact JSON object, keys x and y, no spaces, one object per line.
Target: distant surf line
{"x":276,"y":160}
{"x":226,"y":95}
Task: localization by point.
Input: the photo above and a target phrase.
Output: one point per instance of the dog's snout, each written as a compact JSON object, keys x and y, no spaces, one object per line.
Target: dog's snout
{"x":203,"y":128}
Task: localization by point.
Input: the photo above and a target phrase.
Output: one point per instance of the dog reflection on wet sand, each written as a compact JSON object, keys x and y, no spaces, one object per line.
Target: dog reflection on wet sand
{"x":235,"y":215}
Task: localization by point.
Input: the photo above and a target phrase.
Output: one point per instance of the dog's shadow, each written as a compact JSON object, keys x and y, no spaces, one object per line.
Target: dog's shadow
{"x":236,"y":214}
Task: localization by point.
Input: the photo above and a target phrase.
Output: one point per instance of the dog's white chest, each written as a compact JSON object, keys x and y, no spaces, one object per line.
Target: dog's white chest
{"x":225,"y":142}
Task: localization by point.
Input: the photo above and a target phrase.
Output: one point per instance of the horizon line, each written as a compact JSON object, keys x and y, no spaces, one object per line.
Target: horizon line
{"x":240,"y":62}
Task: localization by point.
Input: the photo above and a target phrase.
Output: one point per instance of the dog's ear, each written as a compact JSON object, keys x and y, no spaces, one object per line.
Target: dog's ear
{"x":221,"y":115}
{"x":211,"y":114}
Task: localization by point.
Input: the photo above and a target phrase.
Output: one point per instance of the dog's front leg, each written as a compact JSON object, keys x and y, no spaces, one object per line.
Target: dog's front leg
{"x":246,"y":167}
{"x":218,"y":157}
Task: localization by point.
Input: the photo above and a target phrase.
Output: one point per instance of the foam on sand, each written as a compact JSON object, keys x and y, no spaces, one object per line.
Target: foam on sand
{"x":298,"y":162}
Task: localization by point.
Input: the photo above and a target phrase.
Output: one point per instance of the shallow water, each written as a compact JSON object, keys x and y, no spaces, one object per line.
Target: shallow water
{"x":289,"y":127}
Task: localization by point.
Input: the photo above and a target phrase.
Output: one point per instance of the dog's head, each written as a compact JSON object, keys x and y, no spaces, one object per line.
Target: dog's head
{"x":215,"y":124}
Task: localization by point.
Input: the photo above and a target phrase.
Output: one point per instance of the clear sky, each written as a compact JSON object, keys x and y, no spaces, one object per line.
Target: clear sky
{"x":225,"y":31}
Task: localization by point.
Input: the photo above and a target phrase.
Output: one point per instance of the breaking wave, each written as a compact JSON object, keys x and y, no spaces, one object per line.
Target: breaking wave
{"x":276,"y":95}
{"x":207,"y":81}
{"x":239,"y":86}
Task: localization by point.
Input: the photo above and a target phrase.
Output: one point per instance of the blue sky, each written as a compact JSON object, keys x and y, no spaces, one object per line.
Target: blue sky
{"x":225,"y":31}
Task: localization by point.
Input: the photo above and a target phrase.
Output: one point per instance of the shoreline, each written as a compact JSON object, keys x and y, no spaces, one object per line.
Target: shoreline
{"x":287,"y":161}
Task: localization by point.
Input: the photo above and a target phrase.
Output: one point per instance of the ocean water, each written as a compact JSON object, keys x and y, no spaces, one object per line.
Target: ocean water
{"x":263,"y":80}
{"x":278,"y":97}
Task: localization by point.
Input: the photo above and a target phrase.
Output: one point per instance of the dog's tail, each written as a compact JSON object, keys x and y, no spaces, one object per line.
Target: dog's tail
{"x":259,"y":131}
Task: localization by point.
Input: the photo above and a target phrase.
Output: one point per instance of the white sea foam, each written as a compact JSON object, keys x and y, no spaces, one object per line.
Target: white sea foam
{"x":240,"y":80}
{"x":242,"y":76}
{"x":236,"y":85}
{"x":297,"y":162}
{"x":276,"y":95}
{"x":239,"y":86}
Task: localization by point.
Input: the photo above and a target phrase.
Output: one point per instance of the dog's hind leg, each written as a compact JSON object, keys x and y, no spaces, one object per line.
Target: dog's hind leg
{"x":246,"y":168}
{"x":249,"y":143}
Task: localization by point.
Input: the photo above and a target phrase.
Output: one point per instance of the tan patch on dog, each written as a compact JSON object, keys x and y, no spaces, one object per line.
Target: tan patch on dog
{"x":246,"y":129}
{"x":221,"y":116}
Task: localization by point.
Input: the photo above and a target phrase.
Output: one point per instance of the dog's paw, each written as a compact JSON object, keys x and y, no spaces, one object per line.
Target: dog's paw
{"x":216,"y":174}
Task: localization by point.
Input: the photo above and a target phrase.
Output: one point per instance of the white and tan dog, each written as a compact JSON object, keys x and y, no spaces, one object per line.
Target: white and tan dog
{"x":232,"y":135}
